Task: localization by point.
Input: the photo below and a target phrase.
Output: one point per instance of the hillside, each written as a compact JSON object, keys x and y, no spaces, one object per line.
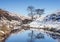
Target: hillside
{"x":50,"y":20}
{"x":53,"y":17}
{"x":5,"y":15}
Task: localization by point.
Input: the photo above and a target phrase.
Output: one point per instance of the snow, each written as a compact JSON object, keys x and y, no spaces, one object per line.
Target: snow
{"x":40,"y":22}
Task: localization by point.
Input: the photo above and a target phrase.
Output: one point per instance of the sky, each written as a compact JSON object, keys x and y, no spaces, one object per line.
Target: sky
{"x":20,"y":6}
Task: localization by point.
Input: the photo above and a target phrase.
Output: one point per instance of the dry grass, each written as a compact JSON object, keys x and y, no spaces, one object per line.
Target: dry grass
{"x":4,"y":31}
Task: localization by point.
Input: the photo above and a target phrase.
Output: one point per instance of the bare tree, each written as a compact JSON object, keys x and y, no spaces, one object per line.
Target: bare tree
{"x":39,"y":11}
{"x":31,"y":11}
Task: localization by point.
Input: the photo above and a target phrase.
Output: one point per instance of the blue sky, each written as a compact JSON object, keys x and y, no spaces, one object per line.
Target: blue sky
{"x":20,"y":6}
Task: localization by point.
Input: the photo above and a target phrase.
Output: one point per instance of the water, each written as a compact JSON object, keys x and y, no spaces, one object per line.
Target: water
{"x":33,"y":36}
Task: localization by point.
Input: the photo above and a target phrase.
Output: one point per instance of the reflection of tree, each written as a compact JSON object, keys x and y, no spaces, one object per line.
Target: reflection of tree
{"x":40,"y":36}
{"x":31,"y":35}
{"x":34,"y":36}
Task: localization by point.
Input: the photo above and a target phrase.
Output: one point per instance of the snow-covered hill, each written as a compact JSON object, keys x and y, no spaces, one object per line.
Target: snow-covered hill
{"x":53,"y":17}
{"x":51,"y":20}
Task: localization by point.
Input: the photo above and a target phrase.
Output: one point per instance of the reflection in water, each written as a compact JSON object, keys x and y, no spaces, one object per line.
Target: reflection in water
{"x":34,"y":36}
{"x":55,"y":36}
{"x":40,"y":36}
{"x":58,"y":40}
{"x":31,"y":35}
